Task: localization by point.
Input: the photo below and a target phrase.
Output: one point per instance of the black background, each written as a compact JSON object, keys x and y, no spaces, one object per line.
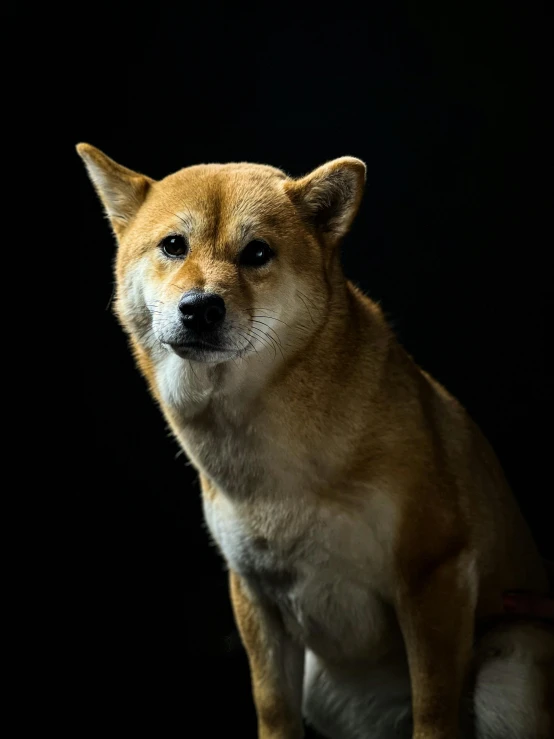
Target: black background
{"x":447,"y":103}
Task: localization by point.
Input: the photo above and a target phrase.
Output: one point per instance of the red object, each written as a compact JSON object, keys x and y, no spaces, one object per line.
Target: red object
{"x":529,"y":604}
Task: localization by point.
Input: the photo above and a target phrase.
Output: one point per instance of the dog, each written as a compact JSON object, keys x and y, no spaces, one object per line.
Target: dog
{"x":368,"y":528}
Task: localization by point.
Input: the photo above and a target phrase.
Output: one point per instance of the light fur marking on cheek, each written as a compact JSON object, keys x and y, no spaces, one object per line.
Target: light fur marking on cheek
{"x":274,"y":320}
{"x":141,"y":306}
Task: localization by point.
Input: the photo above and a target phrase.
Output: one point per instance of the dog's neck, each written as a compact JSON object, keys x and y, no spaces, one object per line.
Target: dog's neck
{"x":238,"y":421}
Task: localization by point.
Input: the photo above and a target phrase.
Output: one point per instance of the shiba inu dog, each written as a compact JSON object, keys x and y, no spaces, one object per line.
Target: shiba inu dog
{"x":369,"y":531}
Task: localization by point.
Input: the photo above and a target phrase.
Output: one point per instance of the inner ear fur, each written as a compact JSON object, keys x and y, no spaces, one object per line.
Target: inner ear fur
{"x":121,"y":191}
{"x":329,"y":196}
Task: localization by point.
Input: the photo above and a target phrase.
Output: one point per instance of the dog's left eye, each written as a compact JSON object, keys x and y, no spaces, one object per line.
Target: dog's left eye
{"x":256,"y":254}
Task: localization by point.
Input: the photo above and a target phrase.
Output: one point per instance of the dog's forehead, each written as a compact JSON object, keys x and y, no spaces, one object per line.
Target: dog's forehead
{"x":224,"y":191}
{"x":220,"y":205}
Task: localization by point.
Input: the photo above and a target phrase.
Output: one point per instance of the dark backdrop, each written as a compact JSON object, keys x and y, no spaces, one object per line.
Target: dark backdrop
{"x":447,"y":103}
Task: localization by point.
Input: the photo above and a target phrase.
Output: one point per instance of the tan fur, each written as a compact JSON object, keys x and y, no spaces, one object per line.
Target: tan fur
{"x":342,"y":483}
{"x":275,"y":718}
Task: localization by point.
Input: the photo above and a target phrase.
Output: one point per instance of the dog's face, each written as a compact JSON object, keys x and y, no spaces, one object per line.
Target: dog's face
{"x":220,"y":262}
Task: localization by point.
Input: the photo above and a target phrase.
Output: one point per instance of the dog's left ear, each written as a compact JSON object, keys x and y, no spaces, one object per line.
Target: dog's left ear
{"x":329,"y":196}
{"x":121,"y":190}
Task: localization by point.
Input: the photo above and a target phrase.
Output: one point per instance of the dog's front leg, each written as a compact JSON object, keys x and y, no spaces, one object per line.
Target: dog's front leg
{"x":436,"y":616}
{"x":276,"y":665}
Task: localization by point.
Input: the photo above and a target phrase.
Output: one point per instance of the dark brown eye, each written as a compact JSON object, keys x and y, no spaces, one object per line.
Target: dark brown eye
{"x":174,"y":246}
{"x":256,"y":254}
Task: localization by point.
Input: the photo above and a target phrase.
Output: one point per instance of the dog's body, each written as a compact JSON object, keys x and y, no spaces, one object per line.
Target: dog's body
{"x":365,"y":520}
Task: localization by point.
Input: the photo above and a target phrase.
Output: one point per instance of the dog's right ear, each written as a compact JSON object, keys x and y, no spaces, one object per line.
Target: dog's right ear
{"x":121,"y":190}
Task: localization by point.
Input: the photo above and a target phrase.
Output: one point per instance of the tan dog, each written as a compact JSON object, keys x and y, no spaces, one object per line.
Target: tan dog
{"x":367,"y":525}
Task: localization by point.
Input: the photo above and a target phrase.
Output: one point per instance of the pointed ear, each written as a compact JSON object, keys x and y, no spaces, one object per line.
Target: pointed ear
{"x":330,"y":195}
{"x":121,"y":190}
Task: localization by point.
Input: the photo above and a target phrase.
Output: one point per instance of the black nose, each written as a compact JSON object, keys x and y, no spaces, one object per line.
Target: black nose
{"x":202,"y":311}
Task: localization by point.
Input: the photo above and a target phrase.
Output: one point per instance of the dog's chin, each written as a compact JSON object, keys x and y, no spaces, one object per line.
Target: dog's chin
{"x":201,"y":351}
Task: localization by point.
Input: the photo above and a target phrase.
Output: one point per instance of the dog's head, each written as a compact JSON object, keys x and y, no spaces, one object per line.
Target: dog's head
{"x":223,"y":261}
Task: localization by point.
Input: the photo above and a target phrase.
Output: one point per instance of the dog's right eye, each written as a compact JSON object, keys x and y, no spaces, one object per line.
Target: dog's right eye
{"x":174,"y":246}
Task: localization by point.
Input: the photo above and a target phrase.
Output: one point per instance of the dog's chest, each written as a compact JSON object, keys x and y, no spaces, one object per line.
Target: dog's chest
{"x":320,"y":576}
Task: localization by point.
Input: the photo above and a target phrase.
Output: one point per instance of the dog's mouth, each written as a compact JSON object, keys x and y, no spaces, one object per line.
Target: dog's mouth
{"x":197,"y":349}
